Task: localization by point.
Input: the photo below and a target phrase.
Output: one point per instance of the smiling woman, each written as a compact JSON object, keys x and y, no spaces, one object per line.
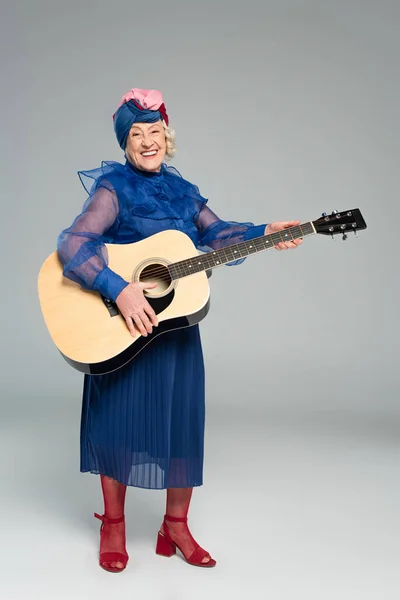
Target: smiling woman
{"x":143,"y":425}
{"x":148,"y":144}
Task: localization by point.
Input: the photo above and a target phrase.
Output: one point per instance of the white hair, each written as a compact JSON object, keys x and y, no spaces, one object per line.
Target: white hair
{"x":170,"y":141}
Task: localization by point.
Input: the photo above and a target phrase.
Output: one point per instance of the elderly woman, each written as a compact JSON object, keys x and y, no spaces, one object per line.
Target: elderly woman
{"x":143,"y":425}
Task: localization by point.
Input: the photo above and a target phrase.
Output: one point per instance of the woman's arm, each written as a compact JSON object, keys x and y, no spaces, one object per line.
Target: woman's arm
{"x":81,"y":247}
{"x":214,"y":233}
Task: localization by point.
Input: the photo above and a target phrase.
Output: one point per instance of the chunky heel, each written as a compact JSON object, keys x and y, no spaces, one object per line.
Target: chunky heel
{"x":167,"y":547}
{"x":164,"y":548}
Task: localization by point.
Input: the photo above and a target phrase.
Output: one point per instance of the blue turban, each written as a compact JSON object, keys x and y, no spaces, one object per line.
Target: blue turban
{"x":131,"y":112}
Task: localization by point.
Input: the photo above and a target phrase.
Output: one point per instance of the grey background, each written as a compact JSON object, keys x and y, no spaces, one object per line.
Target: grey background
{"x":282,"y":110}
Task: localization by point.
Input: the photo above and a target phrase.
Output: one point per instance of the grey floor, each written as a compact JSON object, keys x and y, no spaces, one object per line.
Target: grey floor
{"x":292,"y":507}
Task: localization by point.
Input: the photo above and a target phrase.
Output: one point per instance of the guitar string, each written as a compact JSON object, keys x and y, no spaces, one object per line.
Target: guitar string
{"x":166,"y":277}
{"x":161,"y":275}
{"x":275,"y":237}
{"x":161,"y":270}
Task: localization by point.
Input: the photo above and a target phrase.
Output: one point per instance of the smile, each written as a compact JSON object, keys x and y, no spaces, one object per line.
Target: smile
{"x":150,"y":153}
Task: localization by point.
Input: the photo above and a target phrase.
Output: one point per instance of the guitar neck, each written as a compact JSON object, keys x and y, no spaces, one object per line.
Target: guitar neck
{"x":216,"y":258}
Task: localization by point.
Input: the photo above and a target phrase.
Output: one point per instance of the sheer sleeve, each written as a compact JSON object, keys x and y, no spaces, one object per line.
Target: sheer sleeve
{"x":214,"y":233}
{"x":81,"y":247}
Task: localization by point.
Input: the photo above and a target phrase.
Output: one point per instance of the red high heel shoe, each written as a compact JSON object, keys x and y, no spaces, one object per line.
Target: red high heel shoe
{"x":167,"y":547}
{"x":108,"y":557}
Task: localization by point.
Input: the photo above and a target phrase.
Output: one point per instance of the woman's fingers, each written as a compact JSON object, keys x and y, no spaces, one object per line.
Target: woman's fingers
{"x":147,"y":285}
{"x":130,"y":325}
{"x":151,"y":314}
{"x":282,"y":246}
{"x":146,"y":322}
{"x":139,"y":324}
{"x":288,"y":245}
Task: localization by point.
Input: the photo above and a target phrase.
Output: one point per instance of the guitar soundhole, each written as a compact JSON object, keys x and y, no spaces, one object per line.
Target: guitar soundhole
{"x":159,"y":274}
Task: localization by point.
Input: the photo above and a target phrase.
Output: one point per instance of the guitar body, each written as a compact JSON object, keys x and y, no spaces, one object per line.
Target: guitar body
{"x":89,"y":331}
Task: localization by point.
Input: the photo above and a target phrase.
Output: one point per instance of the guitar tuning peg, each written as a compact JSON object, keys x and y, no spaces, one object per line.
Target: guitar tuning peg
{"x":344,"y":237}
{"x":323,"y":215}
{"x":334,"y":212}
{"x":356,"y":234}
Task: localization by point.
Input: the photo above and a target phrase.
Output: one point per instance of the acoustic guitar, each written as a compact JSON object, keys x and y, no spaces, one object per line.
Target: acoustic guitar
{"x":90,"y":332}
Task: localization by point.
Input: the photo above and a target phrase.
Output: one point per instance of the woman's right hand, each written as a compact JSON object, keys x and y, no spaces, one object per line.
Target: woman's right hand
{"x":135,"y":309}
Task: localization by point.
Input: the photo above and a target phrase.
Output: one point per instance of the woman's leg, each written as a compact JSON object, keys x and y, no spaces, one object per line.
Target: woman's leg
{"x":113,"y":539}
{"x":178,"y":502}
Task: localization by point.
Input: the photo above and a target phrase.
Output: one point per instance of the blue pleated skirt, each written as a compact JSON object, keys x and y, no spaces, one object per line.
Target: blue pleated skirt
{"x":143,"y":425}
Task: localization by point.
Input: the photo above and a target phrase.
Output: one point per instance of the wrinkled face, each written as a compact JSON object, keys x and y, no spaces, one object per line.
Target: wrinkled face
{"x":146,"y":146}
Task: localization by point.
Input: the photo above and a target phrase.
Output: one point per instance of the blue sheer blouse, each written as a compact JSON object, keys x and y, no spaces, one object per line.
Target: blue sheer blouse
{"x":126,"y":205}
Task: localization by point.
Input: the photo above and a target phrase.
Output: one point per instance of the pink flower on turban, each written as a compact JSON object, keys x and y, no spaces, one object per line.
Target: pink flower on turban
{"x":150,"y":99}
{"x":146,"y":99}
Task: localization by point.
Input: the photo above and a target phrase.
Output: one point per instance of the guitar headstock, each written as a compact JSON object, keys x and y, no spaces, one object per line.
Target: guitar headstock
{"x":340,"y":222}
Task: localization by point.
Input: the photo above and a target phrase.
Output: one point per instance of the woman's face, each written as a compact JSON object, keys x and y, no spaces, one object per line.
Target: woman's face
{"x":146,"y":146}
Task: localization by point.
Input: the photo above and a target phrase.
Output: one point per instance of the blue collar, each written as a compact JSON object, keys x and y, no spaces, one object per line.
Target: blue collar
{"x":142,"y":173}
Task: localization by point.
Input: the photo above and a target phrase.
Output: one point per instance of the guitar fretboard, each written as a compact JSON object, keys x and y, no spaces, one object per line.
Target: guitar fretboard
{"x":216,"y":258}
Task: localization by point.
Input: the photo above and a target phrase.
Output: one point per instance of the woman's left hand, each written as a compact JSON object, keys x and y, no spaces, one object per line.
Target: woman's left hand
{"x":278,"y":226}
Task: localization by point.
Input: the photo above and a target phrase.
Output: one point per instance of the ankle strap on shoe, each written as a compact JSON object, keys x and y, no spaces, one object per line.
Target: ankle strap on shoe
{"x":109,"y":521}
{"x":175,"y":519}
